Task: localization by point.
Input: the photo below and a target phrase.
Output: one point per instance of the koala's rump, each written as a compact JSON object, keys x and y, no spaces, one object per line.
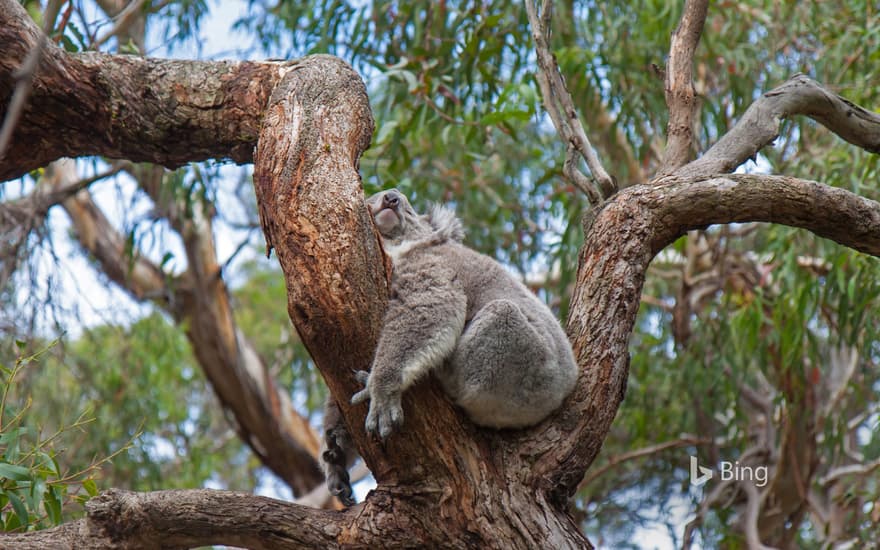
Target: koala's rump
{"x":513,"y":364}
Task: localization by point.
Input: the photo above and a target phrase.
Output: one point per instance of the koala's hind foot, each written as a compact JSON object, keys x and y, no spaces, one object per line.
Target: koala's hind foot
{"x":337,"y":454}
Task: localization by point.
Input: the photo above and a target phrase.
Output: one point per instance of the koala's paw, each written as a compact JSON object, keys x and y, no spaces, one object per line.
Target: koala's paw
{"x":385,"y":416}
{"x":386,"y":412}
{"x":340,"y":486}
{"x":364,"y":378}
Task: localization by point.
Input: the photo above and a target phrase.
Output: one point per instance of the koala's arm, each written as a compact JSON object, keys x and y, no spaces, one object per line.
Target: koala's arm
{"x":425,"y":317}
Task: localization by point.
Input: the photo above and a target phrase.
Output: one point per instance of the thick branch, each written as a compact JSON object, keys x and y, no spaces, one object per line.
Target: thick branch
{"x":187,"y":519}
{"x":162,"y":111}
{"x":760,"y":125}
{"x":680,"y":95}
{"x":621,"y":241}
{"x":312,"y":211}
{"x":829,"y":212}
{"x":313,"y":215}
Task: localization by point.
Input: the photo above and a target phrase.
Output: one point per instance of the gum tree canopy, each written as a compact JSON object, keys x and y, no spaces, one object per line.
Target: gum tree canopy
{"x":304,"y":124}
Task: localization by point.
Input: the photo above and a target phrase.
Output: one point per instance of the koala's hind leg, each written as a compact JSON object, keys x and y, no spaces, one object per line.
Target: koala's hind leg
{"x":503,"y":371}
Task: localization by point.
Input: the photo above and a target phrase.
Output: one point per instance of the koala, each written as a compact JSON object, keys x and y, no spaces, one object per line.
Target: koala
{"x":497,"y":350}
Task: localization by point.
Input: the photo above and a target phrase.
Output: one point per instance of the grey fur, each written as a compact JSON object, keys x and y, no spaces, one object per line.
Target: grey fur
{"x":337,"y":453}
{"x":496,"y":348}
{"x":498,"y":351}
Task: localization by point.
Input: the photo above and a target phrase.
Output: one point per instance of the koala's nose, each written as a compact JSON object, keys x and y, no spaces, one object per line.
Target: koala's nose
{"x":390,"y":199}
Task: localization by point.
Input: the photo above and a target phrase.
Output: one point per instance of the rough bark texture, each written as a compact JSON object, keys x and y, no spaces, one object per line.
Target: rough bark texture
{"x":478,"y":481}
{"x":123,"y":520}
{"x":681,"y":98}
{"x":441,"y":480}
{"x":162,"y":111}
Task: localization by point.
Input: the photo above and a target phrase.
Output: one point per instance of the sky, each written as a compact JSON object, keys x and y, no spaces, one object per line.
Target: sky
{"x":91,"y":300}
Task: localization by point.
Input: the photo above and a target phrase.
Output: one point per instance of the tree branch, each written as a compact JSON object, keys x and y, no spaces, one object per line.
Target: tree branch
{"x":264,"y":416}
{"x":557,"y":101}
{"x":829,"y":212}
{"x":19,"y":217}
{"x":124,"y":19}
{"x":186,"y":519}
{"x":760,"y":125}
{"x":860,"y":470}
{"x":312,"y":212}
{"x":681,"y":97}
{"x":621,"y":240}
{"x":709,"y":500}
{"x":686,"y":441}
{"x":163,"y":111}
{"x":752,"y":514}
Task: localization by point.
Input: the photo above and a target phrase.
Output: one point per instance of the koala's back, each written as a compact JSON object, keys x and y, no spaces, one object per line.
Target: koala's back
{"x":513,"y":364}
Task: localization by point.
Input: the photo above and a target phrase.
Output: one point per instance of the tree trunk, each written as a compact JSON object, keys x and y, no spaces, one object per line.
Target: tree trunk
{"x":441,"y":480}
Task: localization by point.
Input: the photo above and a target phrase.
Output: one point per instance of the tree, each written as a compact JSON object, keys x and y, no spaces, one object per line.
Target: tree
{"x":310,"y":121}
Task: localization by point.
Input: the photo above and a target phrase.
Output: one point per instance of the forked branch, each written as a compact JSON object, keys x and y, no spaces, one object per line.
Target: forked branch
{"x":760,"y":125}
{"x":558,"y":102}
{"x":629,"y":230}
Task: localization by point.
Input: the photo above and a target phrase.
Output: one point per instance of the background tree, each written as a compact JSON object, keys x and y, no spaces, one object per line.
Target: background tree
{"x":770,"y":329}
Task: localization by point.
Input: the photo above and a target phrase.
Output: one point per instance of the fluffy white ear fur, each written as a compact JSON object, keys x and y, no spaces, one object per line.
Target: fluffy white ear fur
{"x":445,"y":224}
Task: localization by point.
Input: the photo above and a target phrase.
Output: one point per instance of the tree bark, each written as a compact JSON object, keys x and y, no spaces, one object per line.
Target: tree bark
{"x":441,"y":480}
{"x":123,"y":520}
{"x":198,"y":301}
{"x":163,"y":111}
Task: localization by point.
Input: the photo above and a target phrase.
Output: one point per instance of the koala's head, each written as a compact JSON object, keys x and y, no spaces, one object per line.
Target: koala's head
{"x":395,"y":217}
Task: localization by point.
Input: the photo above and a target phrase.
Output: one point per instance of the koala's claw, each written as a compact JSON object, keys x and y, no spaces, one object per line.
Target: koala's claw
{"x":384,"y":417}
{"x":340,"y":487}
{"x":360,"y":396}
{"x":386,"y":412}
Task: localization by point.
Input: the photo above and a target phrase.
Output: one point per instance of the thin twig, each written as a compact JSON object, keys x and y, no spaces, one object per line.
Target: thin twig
{"x":124,"y":19}
{"x":685,"y":441}
{"x":65,"y":19}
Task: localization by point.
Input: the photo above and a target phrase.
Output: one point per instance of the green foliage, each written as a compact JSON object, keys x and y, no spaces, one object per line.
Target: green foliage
{"x":458,"y":117}
{"x":458,"y":120}
{"x":260,"y":315}
{"x":34,"y":484}
{"x":151,"y":407}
